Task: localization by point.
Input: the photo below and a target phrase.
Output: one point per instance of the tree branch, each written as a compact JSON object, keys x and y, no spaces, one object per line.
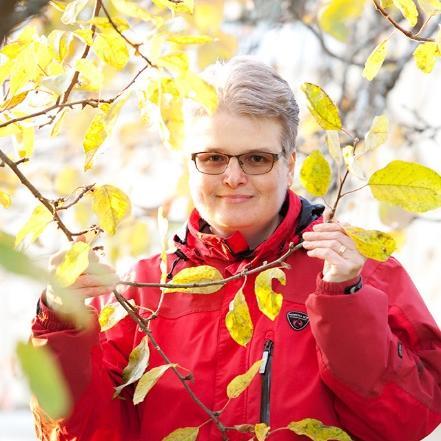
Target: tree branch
{"x":394,"y":23}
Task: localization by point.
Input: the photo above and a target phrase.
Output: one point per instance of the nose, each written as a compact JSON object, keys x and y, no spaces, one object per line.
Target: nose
{"x":234,"y":175}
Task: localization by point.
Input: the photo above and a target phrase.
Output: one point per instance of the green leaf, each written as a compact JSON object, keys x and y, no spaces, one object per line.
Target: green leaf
{"x":425,"y":56}
{"x":183,"y":434}
{"x":372,"y":244}
{"x":375,"y":60}
{"x":238,"y":320}
{"x":111,"y":205}
{"x":35,"y":225}
{"x":317,"y":431}
{"x":75,"y":262}
{"x":197,"y":274}
{"x":148,"y":380}
{"x":239,"y":383}
{"x":408,"y":9}
{"x":269,"y":301}
{"x":315,"y":174}
{"x":321,"y":107}
{"x":45,"y":379}
{"x":409,"y":185}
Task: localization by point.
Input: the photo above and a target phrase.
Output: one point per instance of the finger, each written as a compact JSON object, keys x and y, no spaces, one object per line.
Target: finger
{"x":329,"y":226}
{"x":329,"y":235}
{"x":327,"y":254}
{"x":92,"y":291}
{"x":334,"y":245}
{"x":93,"y":281}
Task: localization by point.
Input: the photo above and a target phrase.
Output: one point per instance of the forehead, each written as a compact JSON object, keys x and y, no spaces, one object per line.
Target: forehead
{"x":232,"y":133}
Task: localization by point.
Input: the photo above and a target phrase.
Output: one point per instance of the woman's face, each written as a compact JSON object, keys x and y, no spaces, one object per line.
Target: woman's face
{"x":234,"y":201}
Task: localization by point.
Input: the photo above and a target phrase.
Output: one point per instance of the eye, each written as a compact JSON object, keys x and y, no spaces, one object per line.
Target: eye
{"x":211,"y":158}
{"x":258,"y":158}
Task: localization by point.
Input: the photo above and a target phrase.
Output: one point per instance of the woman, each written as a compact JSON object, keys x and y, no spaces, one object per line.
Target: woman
{"x":353,"y":346}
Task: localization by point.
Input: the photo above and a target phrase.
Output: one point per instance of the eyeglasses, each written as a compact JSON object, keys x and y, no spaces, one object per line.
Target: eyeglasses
{"x":252,"y":163}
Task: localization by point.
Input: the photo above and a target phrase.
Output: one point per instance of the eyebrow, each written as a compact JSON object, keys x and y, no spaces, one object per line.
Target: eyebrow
{"x":220,"y":150}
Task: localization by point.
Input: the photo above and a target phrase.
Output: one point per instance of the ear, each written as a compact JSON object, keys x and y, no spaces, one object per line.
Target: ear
{"x":291,"y":160}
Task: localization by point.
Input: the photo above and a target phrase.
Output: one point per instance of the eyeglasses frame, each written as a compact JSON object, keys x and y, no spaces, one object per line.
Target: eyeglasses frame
{"x":275,"y":156}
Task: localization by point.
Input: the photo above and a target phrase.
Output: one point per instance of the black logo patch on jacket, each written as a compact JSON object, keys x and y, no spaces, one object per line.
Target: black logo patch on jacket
{"x":297,"y":320}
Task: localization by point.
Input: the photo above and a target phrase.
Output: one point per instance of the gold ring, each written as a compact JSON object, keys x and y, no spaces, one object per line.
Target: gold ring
{"x":341,"y":250}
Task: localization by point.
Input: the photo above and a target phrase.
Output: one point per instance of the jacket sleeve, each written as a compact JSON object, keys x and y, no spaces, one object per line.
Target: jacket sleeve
{"x":379,"y":351}
{"x":92,"y":363}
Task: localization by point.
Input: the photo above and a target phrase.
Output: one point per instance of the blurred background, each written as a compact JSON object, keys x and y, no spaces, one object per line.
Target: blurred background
{"x":326,"y":43}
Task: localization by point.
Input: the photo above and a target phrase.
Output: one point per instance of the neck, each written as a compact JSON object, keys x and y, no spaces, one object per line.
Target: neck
{"x":253,"y":238}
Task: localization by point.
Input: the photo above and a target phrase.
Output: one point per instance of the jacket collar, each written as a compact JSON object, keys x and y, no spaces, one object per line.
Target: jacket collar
{"x":198,"y":245}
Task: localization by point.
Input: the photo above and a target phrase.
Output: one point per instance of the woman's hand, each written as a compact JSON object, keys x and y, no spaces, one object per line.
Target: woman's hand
{"x":98,"y":279}
{"x":328,"y":241}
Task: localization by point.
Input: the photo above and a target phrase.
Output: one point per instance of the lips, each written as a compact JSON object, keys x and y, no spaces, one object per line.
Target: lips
{"x":235,"y":197}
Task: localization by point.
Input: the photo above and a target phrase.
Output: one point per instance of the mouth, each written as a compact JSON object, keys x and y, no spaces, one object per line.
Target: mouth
{"x":235,"y":198}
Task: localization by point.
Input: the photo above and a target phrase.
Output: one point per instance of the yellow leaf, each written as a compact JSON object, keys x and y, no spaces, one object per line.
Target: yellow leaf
{"x":223,"y":47}
{"x":91,"y":77}
{"x":111,"y":314}
{"x":408,"y":9}
{"x":322,"y":108}
{"x":315,"y":174}
{"x":261,"y":430}
{"x":112,"y":49}
{"x":333,"y":142}
{"x":56,"y":128}
{"x":148,"y":380}
{"x":72,"y":11}
{"x":351,"y":162}
{"x":104,"y":25}
{"x":430,"y":7}
{"x":189,"y":39}
{"x":238,"y":384}
{"x":25,"y":138}
{"x":269,"y":301}
{"x":238,"y":320}
{"x":35,"y":225}
{"x":5,"y":199}
{"x":438,"y":38}
{"x":14,"y":101}
{"x":111,"y":205}
{"x":180,"y":6}
{"x":386,"y":4}
{"x":23,"y":69}
{"x":425,"y":56}
{"x":131,"y":9}
{"x":317,"y":431}
{"x":377,"y":134}
{"x":411,"y":186}
{"x":138,"y":362}
{"x":176,"y":62}
{"x":375,"y":60}
{"x":138,"y":238}
{"x":183,"y":434}
{"x":75,"y":262}
{"x":372,"y":244}
{"x":45,"y":377}
{"x":67,"y":180}
{"x":85,"y":35}
{"x":95,"y":136}
{"x":60,"y":42}
{"x":334,"y":18}
{"x":173,"y":120}
{"x":197,"y":274}
{"x":208,"y":16}
{"x":193,"y":87}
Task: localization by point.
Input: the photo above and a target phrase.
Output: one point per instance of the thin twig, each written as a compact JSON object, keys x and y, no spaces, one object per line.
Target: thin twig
{"x":85,"y":190}
{"x":143,"y":325}
{"x":292,"y":247}
{"x":407,"y":33}
{"x":12,"y":165}
{"x":76,"y":74}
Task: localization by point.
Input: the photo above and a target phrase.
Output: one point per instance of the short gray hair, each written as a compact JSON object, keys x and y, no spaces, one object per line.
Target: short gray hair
{"x":249,"y":87}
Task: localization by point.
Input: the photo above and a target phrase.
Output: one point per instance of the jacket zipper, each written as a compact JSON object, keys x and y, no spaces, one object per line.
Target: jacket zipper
{"x":265,"y":371}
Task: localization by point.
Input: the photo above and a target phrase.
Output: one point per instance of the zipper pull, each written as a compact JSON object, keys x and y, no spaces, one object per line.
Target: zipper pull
{"x":265,"y":356}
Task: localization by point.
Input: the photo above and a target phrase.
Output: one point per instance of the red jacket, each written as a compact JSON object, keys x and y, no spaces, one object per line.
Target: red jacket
{"x":368,"y":362}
